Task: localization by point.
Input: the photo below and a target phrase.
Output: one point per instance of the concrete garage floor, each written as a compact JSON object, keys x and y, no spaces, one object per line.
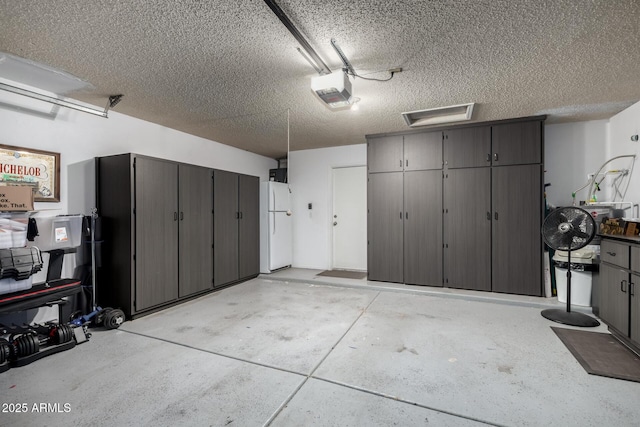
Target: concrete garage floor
{"x":290,"y":349}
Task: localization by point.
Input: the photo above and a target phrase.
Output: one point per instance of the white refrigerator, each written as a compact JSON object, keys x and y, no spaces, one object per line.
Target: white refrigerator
{"x":276,"y":236}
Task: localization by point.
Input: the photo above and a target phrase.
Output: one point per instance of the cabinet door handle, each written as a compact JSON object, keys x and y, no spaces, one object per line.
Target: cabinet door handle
{"x":495,"y":215}
{"x":488,"y":157}
{"x":400,"y":162}
{"x":181,"y":216}
{"x":407,"y":163}
{"x":632,"y":288}
{"x":488,"y":216}
{"x":623,"y":286}
{"x":495,"y":157}
{"x":611,"y":253}
{"x":406,"y":215}
{"x":400,"y":215}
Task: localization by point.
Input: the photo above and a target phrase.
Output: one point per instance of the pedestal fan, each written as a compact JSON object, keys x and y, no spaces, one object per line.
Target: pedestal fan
{"x":568,"y":229}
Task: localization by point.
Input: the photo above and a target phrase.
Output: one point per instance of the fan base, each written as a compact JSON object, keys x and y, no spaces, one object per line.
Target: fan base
{"x":570,"y":318}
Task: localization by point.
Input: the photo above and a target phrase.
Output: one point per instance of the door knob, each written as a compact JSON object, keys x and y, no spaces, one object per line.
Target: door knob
{"x":335,"y":223}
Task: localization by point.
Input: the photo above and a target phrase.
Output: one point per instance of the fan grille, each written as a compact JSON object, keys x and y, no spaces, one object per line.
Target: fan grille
{"x":568,"y":228}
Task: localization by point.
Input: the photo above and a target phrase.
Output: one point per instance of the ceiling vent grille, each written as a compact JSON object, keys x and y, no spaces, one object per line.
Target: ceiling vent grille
{"x":440,"y":115}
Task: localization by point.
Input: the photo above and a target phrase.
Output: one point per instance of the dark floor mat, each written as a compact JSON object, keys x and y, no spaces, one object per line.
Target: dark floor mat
{"x":344,"y":274}
{"x":601,"y":354}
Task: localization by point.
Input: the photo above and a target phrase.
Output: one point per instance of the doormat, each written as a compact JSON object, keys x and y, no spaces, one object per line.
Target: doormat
{"x":601,"y":354}
{"x":344,"y":274}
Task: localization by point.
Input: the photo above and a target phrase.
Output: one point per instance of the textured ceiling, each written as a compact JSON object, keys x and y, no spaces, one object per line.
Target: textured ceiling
{"x":229,"y":70}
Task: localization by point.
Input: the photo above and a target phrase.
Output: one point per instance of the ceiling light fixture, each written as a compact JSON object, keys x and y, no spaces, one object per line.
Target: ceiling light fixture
{"x":62,"y":102}
{"x":440,"y":115}
{"x":31,"y":74}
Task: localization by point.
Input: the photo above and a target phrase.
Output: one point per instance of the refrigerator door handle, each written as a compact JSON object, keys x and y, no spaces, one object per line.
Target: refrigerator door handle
{"x":274,"y":223}
{"x":274,"y":199}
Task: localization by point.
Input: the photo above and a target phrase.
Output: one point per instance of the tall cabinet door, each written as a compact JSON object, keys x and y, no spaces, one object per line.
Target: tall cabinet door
{"x":249,"y":226}
{"x":196,"y":229}
{"x":384,"y":227}
{"x":517,"y":218}
{"x":422,"y":231}
{"x":467,"y":228}
{"x":225,"y":227}
{"x":156,"y":242}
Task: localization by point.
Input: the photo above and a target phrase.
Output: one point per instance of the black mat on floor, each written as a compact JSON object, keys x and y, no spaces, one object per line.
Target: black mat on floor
{"x":601,"y":354}
{"x":344,"y":274}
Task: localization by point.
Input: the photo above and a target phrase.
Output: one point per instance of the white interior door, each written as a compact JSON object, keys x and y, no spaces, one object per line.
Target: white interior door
{"x":350,"y":218}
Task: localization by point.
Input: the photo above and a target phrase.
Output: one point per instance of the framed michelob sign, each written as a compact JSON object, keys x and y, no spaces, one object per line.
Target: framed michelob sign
{"x":36,"y":168}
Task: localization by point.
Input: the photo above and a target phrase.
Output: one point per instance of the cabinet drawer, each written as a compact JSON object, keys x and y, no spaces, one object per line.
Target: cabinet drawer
{"x":615,"y":253}
{"x":635,"y":258}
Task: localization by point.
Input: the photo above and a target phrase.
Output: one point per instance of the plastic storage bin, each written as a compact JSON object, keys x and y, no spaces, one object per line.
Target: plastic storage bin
{"x":13,"y":233}
{"x":10,"y":284}
{"x":58,"y":232}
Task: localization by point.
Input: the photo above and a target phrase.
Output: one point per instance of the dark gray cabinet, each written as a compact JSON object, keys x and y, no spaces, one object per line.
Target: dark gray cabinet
{"x":619,"y":281}
{"x":156,"y":232}
{"x":195,"y":229}
{"x":423,"y":151}
{"x":480,"y":218}
{"x":419,"y":151}
{"x":236,"y":227}
{"x":614,"y":297}
{"x":467,"y":147}
{"x":422,"y":230}
{"x":385,"y":260}
{"x":516,"y":143}
{"x":467,"y":228}
{"x":405,"y":208}
{"x":385,"y":154}
{"x":158,"y":223}
{"x":248,"y":226}
{"x":517,"y":202}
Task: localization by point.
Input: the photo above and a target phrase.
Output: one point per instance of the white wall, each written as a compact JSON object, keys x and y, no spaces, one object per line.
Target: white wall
{"x":621,"y":127}
{"x":310,"y":180}
{"x":79,"y":137}
{"x":572,"y":150}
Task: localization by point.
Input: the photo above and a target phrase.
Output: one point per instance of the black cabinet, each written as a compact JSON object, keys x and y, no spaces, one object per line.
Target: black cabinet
{"x":619,"y":281}
{"x":236,"y":227}
{"x":158,"y":223}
